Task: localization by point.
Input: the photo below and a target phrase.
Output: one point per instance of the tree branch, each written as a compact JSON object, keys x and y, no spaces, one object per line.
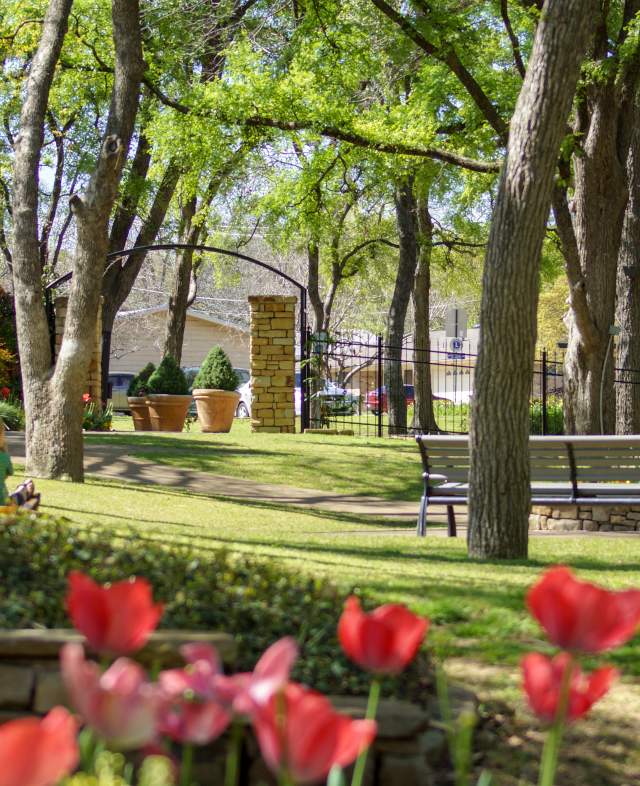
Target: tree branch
{"x":515,"y":44}
{"x":450,"y":58}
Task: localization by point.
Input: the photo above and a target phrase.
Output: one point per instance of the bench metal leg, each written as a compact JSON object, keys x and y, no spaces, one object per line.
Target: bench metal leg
{"x":451,"y":522}
{"x":422,"y":517}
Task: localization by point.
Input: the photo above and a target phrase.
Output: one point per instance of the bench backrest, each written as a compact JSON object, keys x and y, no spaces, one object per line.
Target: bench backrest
{"x":596,"y":458}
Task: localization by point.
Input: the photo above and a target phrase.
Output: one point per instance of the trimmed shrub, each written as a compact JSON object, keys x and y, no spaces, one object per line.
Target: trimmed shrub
{"x":12,"y":414}
{"x":216,"y":373}
{"x":139,"y":384}
{"x":168,"y":378}
{"x":257,"y":601}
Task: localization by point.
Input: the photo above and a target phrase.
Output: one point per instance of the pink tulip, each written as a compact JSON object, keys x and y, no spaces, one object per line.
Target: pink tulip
{"x":300,"y":734}
{"x":248,"y":690}
{"x":36,"y":752}
{"x":116,"y":619}
{"x":191,"y":712}
{"x":119,"y":704}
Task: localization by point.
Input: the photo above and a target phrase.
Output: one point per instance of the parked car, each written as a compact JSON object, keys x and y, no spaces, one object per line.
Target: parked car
{"x":119,"y":383}
{"x":243,"y":408}
{"x":337,"y":400}
{"x":375,"y":401}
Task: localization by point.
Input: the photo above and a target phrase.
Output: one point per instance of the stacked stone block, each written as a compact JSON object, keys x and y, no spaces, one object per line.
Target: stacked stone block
{"x":592,"y":518}
{"x":273,"y":337}
{"x":93,"y":385}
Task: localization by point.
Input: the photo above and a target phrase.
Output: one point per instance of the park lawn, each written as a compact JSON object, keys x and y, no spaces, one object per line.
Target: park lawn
{"x":387,"y":468}
{"x":477,"y":609}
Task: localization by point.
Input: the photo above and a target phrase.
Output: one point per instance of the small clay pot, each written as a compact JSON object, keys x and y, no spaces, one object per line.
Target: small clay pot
{"x":140,"y":413}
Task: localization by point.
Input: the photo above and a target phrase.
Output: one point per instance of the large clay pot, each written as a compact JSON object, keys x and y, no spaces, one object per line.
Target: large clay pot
{"x":168,"y":412}
{"x":216,"y":409}
{"x":140,"y":413}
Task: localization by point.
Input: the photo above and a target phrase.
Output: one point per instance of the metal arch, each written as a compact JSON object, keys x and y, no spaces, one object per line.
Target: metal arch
{"x":114,"y":255}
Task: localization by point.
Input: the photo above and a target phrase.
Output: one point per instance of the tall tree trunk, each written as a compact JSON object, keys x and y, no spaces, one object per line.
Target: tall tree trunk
{"x":604,"y":124}
{"x":177,"y":311}
{"x":53,"y":398}
{"x":628,"y":304}
{"x":423,"y":418}
{"x":313,"y":285}
{"x":120,"y":277}
{"x":499,"y":493}
{"x":599,"y":203}
{"x":406,"y":216}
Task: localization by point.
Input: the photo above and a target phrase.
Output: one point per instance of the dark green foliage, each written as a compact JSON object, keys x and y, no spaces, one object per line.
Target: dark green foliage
{"x":138,"y":385}
{"x":256,"y":601}
{"x":168,"y":378}
{"x":97,"y":419}
{"x":12,"y":415}
{"x":555,"y":416}
{"x":216,"y":373}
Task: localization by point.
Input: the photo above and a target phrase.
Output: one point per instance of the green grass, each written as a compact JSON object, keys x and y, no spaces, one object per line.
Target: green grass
{"x":388,"y":468}
{"x":476,"y":608}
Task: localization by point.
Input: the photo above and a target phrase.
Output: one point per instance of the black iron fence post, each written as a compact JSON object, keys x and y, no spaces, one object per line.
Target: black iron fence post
{"x":379,"y":383}
{"x":545,"y":422}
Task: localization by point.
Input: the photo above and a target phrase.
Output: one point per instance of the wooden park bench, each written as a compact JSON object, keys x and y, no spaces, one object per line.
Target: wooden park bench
{"x":593,"y":470}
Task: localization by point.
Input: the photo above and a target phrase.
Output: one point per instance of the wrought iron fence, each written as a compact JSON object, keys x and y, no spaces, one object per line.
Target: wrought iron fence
{"x":348,"y":390}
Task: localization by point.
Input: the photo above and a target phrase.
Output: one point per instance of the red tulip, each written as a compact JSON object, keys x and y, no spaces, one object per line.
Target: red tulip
{"x":191,"y":712}
{"x":301,"y":734}
{"x":116,"y":619}
{"x":119,"y":704}
{"x":5,"y":392}
{"x":86,"y":397}
{"x":543,"y":678}
{"x":383,"y":642}
{"x":38,"y":752}
{"x":245,"y":691}
{"x":581,"y":616}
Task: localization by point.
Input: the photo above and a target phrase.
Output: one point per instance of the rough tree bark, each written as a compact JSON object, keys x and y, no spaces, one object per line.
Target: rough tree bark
{"x":53,"y":396}
{"x":499,"y":494}
{"x":590,"y":227}
{"x":423,"y":418}
{"x":179,"y":298}
{"x":406,"y":216}
{"x":120,"y":276}
{"x":628,"y":302}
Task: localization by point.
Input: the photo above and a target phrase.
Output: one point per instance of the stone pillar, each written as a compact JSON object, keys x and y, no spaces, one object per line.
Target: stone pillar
{"x":273,"y":337}
{"x":93,"y":385}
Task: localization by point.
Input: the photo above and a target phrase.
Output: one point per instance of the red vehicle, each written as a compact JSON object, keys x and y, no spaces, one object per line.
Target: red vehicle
{"x":373,"y":398}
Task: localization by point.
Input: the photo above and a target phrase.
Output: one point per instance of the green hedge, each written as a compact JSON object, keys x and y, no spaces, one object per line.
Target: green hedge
{"x":256,"y":601}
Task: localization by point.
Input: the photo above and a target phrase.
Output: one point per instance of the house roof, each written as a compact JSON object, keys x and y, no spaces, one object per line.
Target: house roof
{"x":191,"y":312}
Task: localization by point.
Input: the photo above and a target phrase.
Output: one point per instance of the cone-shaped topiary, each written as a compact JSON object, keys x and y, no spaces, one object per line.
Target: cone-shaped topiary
{"x":139,"y":384}
{"x":216,"y":373}
{"x":168,"y":378}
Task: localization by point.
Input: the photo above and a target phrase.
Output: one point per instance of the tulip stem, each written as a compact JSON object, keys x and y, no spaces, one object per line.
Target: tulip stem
{"x":187,"y":764}
{"x":372,"y":708}
{"x":552,"y":744}
{"x":232,"y":769}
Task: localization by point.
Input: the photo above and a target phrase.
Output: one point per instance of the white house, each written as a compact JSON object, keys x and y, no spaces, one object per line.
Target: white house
{"x":138,"y":338}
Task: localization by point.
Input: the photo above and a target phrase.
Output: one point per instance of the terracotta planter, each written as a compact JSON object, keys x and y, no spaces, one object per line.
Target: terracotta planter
{"x":168,"y":412}
{"x":140,"y":413}
{"x":216,"y":409}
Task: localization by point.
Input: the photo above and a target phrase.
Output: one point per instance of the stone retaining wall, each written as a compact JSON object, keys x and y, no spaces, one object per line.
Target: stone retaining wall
{"x":410,"y":748}
{"x":593,"y":518}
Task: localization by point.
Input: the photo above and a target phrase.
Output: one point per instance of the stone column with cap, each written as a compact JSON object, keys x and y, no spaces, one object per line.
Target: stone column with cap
{"x":273,"y":338}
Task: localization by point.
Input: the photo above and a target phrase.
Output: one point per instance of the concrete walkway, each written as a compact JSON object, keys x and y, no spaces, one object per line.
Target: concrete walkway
{"x":115,"y":463}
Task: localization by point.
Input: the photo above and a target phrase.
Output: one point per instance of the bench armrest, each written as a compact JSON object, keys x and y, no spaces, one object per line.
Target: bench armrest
{"x":435,"y":480}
